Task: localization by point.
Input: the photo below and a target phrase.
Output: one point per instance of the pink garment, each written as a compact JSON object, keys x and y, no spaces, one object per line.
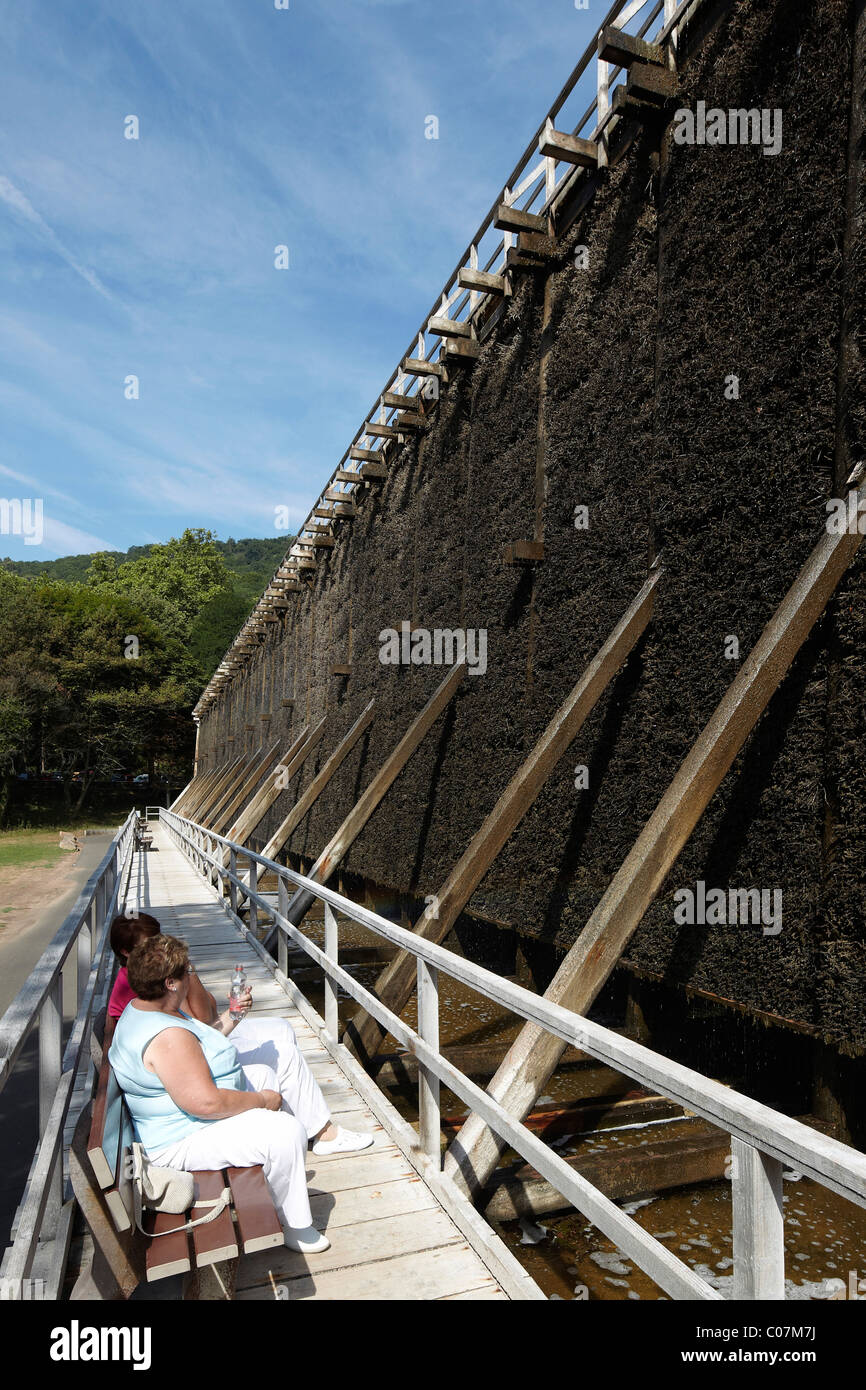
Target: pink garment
{"x":121,"y":994}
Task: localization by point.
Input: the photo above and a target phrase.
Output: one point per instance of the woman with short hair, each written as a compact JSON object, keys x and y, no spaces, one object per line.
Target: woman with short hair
{"x":193,"y":1103}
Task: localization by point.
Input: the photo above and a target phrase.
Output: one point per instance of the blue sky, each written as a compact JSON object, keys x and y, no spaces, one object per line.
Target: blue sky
{"x":155,"y":257}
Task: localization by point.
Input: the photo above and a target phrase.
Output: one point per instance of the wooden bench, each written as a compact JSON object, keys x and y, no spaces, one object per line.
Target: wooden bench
{"x":143,"y":836}
{"x":124,"y":1257}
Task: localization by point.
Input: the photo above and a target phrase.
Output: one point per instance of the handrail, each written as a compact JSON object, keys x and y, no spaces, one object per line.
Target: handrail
{"x":759,"y":1133}
{"x":427,"y":344}
{"x":40,"y":1003}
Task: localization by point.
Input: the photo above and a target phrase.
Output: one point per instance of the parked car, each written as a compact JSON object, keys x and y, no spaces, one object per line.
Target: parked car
{"x":141,"y":779}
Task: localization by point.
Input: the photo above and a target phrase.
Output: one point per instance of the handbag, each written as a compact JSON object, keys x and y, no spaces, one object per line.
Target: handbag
{"x":170,"y":1190}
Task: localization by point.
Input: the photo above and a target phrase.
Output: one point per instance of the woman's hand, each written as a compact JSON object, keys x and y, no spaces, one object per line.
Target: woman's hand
{"x":273,"y":1099}
{"x":244,"y":1002}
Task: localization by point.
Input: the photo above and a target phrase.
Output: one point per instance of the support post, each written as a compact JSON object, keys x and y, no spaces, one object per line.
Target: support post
{"x":428,"y":1082}
{"x":50,"y":1065}
{"x":282,"y":939}
{"x":332,"y":1017}
{"x":759,"y":1227}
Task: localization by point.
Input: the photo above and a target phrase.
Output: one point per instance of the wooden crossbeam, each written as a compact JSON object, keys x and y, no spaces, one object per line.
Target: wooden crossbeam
{"x":650,"y":83}
{"x":398,"y":401}
{"x":462,"y":347}
{"x":419,"y":366}
{"x":190,"y":790}
{"x":533,"y":1056}
{"x":371,"y":472}
{"x":305,"y":803}
{"x":339,"y":845}
{"x":200,"y":789}
{"x":274,"y":785}
{"x":206,"y":794}
{"x":378,"y":431}
{"x":397,"y":981}
{"x":365,"y":455}
{"x":346,"y":475}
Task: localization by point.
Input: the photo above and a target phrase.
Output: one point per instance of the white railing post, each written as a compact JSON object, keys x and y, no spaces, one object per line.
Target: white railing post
{"x":332,"y":1023}
{"x":282,"y":939}
{"x":670,"y":11}
{"x":759,"y":1231}
{"x":428,"y":1084}
{"x":253,"y":888}
{"x":84,"y":954}
{"x":602,"y":108}
{"x":50,"y":1064}
{"x":233,"y":887}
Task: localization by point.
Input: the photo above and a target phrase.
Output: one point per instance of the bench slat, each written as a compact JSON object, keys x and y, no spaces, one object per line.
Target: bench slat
{"x":170,"y":1254}
{"x":103,"y":1146}
{"x":258,"y":1223}
{"x":216,"y":1241}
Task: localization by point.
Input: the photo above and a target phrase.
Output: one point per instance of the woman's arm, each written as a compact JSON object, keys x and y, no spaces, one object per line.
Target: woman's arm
{"x":175,"y":1056}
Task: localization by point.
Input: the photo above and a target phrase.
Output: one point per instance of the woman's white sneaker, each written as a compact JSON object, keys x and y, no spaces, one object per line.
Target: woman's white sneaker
{"x":307,"y":1241}
{"x":346,"y":1142}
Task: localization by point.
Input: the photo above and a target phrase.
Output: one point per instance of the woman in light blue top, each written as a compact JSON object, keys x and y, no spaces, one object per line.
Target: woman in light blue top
{"x":196,"y":1107}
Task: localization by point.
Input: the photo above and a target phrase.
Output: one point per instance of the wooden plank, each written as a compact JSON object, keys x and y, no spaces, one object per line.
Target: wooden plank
{"x":104,"y":1139}
{"x":758,"y":1224}
{"x":419,"y":366}
{"x":450,"y":328}
{"x":370,"y":1167}
{"x":395,"y":984}
{"x":305,"y":803}
{"x":461,"y":347}
{"x":356,"y":1247}
{"x":373,"y":471}
{"x":258,"y":1224}
{"x":398,"y":401}
{"x":522,"y":552}
{"x":354,"y":1205}
{"x":216,"y":1240}
{"x":170,"y":1253}
{"x":534,"y":1055}
{"x":338,"y":846}
{"x":205,"y":783}
{"x":419,"y":1276}
{"x":365,"y":455}
{"x":378,"y":431}
{"x":245,"y":768}
{"x":275,"y":785}
{"x":219,"y":789}
{"x":650,"y":83}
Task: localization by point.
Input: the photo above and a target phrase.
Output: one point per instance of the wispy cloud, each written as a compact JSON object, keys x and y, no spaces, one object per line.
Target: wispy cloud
{"x":15,"y":199}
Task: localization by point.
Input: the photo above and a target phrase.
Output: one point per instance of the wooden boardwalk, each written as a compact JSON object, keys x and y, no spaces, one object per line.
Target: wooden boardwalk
{"x":390,"y":1237}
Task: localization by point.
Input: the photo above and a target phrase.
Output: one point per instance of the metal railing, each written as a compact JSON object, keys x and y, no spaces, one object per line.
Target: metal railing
{"x":764,"y":1141}
{"x":535,"y":185}
{"x":80,"y":945}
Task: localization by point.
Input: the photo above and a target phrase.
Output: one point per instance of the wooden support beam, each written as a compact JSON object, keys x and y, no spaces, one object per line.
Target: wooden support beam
{"x":509,"y":219}
{"x":397,"y":401}
{"x":482,"y":280}
{"x":378,"y":431}
{"x":411,"y":420}
{"x":338,"y":846}
{"x":366,"y":455}
{"x":450,"y":328}
{"x":333,"y":514}
{"x":218,"y":790}
{"x":534,"y":1055}
{"x":373,"y":472}
{"x":396,"y":983}
{"x":193,"y":790}
{"x":344,"y":670}
{"x":419,"y":366}
{"x":346,"y":475}
{"x":650,"y":83}
{"x":227,"y":811}
{"x":244,"y":769}
{"x":274,"y":786}
{"x":621,"y":49}
{"x":204,"y":795}
{"x":462,"y":347}
{"x":305,"y":803}
{"x":558,"y":144}
{"x":758,"y":1224}
{"x":324,"y":542}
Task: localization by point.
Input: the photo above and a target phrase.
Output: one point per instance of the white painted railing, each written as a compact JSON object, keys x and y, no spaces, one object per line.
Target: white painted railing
{"x":80,"y":945}
{"x":763,"y":1140}
{"x":536,"y":185}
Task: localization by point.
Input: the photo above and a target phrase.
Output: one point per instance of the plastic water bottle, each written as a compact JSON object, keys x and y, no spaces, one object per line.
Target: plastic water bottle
{"x":238,"y":987}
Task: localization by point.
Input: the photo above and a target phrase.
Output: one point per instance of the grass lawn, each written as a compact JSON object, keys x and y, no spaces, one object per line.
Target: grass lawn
{"x":32,"y":848}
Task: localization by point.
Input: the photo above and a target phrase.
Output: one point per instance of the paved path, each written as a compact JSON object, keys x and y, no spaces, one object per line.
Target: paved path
{"x":390,"y":1238}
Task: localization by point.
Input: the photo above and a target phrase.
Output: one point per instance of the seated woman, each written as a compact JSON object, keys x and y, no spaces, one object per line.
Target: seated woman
{"x":195,"y":1106}
{"x":268,"y":1041}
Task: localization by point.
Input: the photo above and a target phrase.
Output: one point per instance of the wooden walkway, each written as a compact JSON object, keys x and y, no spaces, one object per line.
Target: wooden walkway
{"x":390,"y":1237}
